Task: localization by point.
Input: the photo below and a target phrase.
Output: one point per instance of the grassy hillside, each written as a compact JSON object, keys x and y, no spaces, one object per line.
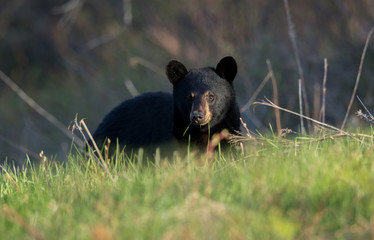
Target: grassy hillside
{"x":300,"y":189}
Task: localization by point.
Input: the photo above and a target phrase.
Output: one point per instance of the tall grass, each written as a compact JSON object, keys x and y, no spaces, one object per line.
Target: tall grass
{"x":305,"y":189}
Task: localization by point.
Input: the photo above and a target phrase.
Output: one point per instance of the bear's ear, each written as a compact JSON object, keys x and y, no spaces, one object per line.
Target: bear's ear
{"x":175,"y":71}
{"x":227,"y":68}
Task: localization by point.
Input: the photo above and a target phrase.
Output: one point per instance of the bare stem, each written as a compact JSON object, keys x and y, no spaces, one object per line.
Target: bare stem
{"x":275,"y":97}
{"x":301,"y":110}
{"x":358,"y":77}
{"x":102,"y":162}
{"x":271,"y":104}
{"x":255,"y":94}
{"x":292,"y":34}
{"x":323,"y":108}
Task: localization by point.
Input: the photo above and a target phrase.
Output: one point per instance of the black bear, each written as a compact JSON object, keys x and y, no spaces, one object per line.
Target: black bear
{"x":203,"y":103}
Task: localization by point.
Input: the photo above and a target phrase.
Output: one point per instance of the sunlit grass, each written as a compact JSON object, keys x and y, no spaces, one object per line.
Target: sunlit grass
{"x":311,"y":189}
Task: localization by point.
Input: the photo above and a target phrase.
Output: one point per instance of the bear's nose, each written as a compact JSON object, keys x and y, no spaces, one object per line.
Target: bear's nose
{"x":196,"y":117}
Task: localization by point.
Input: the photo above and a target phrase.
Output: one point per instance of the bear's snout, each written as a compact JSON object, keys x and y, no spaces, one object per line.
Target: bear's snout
{"x":197,"y":117}
{"x":200,"y":114}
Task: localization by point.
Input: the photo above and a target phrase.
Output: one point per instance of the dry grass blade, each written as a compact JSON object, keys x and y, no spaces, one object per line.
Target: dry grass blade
{"x":271,"y":104}
{"x":275,"y":97}
{"x":77,"y":126}
{"x":52,"y":119}
{"x":255,"y":94}
{"x":248,"y":133}
{"x":44,"y":158}
{"x":97,"y":149}
{"x":357,"y":78}
{"x":101,"y":159}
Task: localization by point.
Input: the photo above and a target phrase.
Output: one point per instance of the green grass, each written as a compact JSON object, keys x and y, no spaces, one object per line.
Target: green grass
{"x":317,"y":190}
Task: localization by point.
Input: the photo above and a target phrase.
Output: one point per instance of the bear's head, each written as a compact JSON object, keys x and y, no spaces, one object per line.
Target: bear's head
{"x":203,"y":96}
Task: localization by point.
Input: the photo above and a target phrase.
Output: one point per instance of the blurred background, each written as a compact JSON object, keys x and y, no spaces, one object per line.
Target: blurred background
{"x":86,"y":57}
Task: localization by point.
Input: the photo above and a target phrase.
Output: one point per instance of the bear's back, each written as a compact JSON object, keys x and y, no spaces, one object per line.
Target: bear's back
{"x":145,"y":120}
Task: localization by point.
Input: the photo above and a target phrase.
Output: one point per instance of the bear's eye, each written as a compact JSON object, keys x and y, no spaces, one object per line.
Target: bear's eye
{"x":191,"y":96}
{"x":211,"y":97}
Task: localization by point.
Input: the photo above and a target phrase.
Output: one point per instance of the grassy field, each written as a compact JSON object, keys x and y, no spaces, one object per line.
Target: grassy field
{"x":298,"y":189}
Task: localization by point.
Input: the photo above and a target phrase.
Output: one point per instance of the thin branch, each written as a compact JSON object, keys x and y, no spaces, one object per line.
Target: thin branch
{"x":104,"y":38}
{"x":358,"y":77}
{"x":292,"y":34}
{"x":52,"y":119}
{"x":275,"y":97}
{"x":127,"y":12}
{"x":359,"y":99}
{"x":255,"y":94}
{"x":271,"y":104}
{"x":301,"y":110}
{"x":19,"y":147}
{"x":365,"y":116}
{"x":323,"y":108}
{"x":70,"y":11}
{"x":147,"y":64}
{"x":131,"y":88}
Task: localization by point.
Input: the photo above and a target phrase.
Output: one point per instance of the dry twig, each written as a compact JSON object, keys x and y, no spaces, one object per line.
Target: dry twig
{"x":52,"y":119}
{"x":368,"y":117}
{"x":292,"y":34}
{"x":323,"y":108}
{"x":271,"y":104}
{"x":20,"y":148}
{"x":275,"y":97}
{"x":301,"y":110}
{"x":371,"y":115}
{"x":255,"y":94}
{"x":248,"y":133}
{"x":70,"y":11}
{"x":147,"y":64}
{"x":357,"y":78}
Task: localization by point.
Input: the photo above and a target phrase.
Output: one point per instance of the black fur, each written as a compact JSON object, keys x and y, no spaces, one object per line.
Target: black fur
{"x":224,"y":108}
{"x":152,"y":119}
